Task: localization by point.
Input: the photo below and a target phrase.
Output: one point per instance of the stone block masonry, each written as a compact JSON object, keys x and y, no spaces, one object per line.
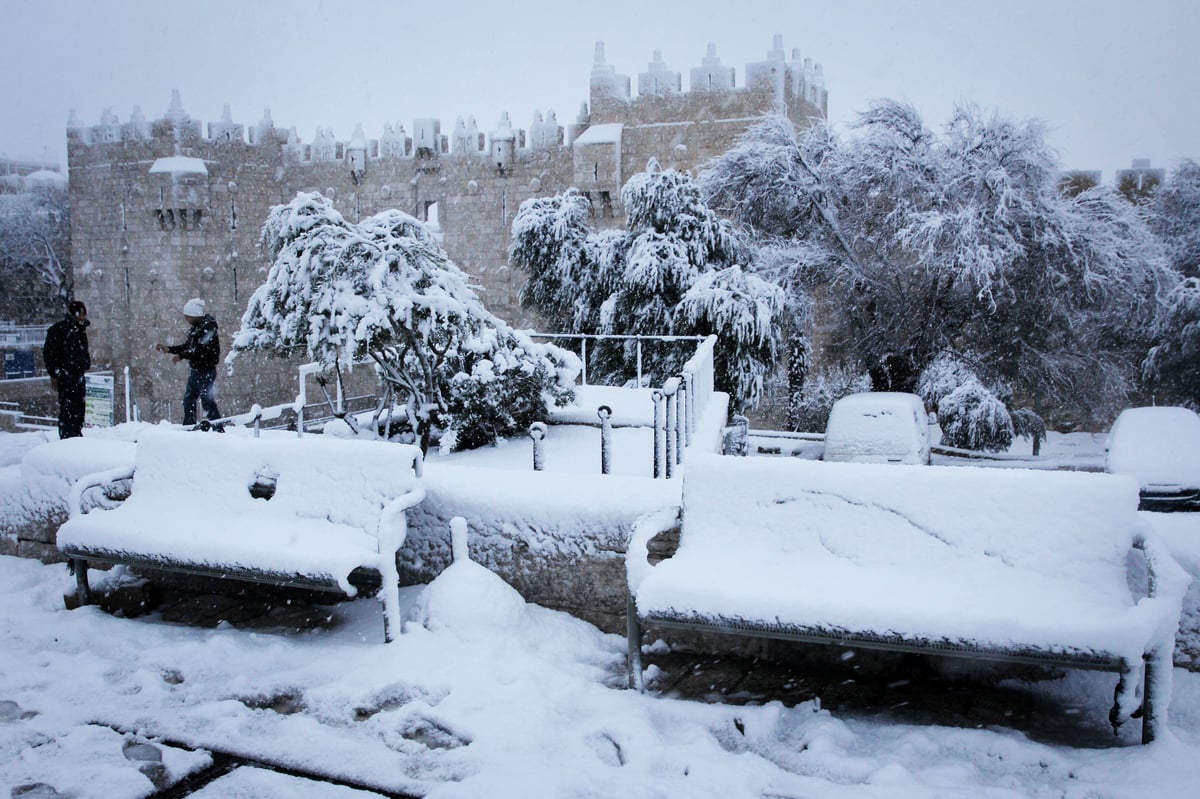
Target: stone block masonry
{"x":168,"y":209}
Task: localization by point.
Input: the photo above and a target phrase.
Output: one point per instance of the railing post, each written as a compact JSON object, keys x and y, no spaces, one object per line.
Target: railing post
{"x":537,"y":432}
{"x":672,"y":421}
{"x":639,"y":362}
{"x":689,"y":381}
{"x":128,"y":402}
{"x":659,"y":424}
{"x":583,"y":349}
{"x":605,"y":414}
{"x":681,"y":421}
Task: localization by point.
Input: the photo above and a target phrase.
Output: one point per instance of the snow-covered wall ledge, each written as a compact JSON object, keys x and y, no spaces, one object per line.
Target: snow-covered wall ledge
{"x":558,"y":538}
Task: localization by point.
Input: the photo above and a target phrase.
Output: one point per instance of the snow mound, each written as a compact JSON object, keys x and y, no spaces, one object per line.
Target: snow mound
{"x":467,"y":599}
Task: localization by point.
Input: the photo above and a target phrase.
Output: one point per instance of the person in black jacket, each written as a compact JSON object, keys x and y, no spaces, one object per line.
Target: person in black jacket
{"x":202,"y":350}
{"x":67,"y":359}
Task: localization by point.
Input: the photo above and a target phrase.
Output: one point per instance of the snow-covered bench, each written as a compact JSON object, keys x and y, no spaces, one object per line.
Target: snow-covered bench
{"x":999,"y":564}
{"x":313,"y":512}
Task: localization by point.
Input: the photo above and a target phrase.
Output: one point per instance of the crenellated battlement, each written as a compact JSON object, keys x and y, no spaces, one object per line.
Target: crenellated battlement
{"x":177,"y":128}
{"x":795,"y":87}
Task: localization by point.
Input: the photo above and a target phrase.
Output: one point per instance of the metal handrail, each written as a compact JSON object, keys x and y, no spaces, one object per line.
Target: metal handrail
{"x":586,"y":337}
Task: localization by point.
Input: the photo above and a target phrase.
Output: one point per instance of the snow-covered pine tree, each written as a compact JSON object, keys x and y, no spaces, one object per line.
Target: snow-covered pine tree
{"x":384,"y":290}
{"x":637,"y":281}
{"x":744,"y":308}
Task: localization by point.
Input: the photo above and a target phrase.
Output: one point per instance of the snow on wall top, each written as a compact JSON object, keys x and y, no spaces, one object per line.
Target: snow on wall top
{"x":601,"y":134}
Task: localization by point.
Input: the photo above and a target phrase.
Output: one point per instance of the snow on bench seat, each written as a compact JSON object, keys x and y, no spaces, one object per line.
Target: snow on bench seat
{"x":1007,"y":562}
{"x":337,"y":507}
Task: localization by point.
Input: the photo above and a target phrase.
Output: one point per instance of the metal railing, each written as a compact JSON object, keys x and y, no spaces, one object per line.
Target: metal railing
{"x":678,"y":405}
{"x":584,"y":338}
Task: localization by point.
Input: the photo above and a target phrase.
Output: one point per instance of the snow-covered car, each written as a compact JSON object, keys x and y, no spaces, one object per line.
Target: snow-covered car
{"x":1160,"y":448}
{"x":878,"y":427}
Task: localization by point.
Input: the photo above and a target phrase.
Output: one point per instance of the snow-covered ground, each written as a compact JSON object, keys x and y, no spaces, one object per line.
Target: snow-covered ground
{"x":486,"y":695}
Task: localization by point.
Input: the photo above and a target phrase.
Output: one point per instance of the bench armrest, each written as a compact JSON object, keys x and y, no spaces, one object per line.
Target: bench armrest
{"x":75,"y":498}
{"x":1165,"y":577}
{"x":387,"y":519}
{"x":645,"y":527}
{"x":386,"y":533}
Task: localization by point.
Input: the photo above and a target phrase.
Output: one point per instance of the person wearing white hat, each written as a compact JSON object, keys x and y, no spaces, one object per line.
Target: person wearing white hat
{"x":202,"y":350}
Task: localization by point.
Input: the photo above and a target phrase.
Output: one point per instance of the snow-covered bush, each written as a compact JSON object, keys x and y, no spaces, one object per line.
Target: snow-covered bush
{"x":1027,"y":423}
{"x":942,"y":377}
{"x":810,"y":407}
{"x":385,"y":290}
{"x":677,"y":269}
{"x":971,"y":417}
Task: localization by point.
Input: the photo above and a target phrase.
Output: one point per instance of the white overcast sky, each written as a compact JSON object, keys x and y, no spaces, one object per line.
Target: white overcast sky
{"x":1113,"y":79}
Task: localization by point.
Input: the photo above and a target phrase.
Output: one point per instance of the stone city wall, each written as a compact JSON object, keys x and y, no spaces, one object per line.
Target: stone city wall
{"x":169,"y":209}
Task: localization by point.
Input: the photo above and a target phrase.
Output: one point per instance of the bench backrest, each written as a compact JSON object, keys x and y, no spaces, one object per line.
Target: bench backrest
{"x":1070,"y":526}
{"x":344,"y":481}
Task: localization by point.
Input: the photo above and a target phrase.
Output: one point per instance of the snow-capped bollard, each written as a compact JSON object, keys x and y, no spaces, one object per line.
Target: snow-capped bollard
{"x":605,"y":414}
{"x":458,"y":540}
{"x":537,"y":431}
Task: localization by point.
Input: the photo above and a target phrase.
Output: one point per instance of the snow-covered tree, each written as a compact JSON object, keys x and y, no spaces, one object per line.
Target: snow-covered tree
{"x":385,"y":290}
{"x":1172,"y":367}
{"x":676,"y":269}
{"x":942,"y":377}
{"x":970,"y":414}
{"x":742,"y":307}
{"x":1174,"y":214}
{"x":810,"y":411}
{"x":971,"y":417}
{"x":35,"y":243}
{"x":917,"y":242}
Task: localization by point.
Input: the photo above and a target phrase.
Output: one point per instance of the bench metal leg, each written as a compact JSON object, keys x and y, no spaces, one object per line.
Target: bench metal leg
{"x":634,"y":636}
{"x":1149,"y":711}
{"x":82,"y":589}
